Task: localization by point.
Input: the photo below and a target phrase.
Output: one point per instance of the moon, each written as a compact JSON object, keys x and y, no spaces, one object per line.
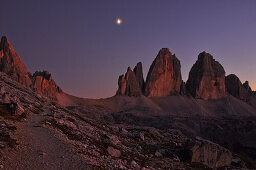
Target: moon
{"x":119,"y":21}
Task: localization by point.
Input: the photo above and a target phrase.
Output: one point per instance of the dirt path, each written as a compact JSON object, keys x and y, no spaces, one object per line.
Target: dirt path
{"x":40,"y":148}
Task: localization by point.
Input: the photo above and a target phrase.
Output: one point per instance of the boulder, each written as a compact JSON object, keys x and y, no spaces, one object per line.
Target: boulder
{"x":236,"y":88}
{"x":113,"y":152}
{"x":206,"y":78}
{"x":210,"y":154}
{"x":43,"y":84}
{"x":164,"y":76}
{"x":11,"y":63}
{"x":128,"y":84}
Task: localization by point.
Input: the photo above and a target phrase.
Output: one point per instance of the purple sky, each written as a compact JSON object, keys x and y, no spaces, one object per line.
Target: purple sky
{"x":85,"y":50}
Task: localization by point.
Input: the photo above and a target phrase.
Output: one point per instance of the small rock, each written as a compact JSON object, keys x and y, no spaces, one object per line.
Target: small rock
{"x":2,"y":145}
{"x":114,"y":129}
{"x":142,"y":137}
{"x":113,"y":152}
{"x":61,"y":121}
{"x":122,"y":167}
{"x":2,"y":166}
{"x":70,"y":124}
{"x":114,"y":140}
{"x":6,"y":98}
{"x":42,"y":153}
{"x":134,"y":164}
{"x":123,"y":130}
{"x":48,"y":123}
{"x":2,"y":90}
{"x":158,"y":154}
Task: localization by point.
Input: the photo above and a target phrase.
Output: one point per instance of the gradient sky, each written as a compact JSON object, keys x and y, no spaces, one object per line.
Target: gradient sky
{"x":85,"y":50}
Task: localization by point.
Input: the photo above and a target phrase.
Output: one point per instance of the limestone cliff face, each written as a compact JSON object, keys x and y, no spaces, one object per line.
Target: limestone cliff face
{"x":43,"y":84}
{"x":11,"y":63}
{"x":206,"y":78}
{"x":164,"y":76}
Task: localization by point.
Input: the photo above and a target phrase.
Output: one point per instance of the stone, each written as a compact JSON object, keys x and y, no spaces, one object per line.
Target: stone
{"x":236,"y":88}
{"x":210,"y":154}
{"x":114,"y":140}
{"x":16,"y":108}
{"x":70,"y":124}
{"x":43,"y":84}
{"x":2,"y":90}
{"x":128,"y":85}
{"x":134,"y":164}
{"x":11,"y":63}
{"x":164,"y":76}
{"x":206,"y":78}
{"x":139,"y":75}
{"x":113,"y":152}
{"x":158,"y":154}
{"x":61,"y":121}
{"x":6,"y":98}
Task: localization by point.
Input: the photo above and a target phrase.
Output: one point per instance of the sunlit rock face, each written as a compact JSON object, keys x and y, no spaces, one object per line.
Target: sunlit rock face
{"x":236,"y":88}
{"x":43,"y":84}
{"x":164,"y":76}
{"x":206,"y":78}
{"x":11,"y":63}
{"x":128,"y":84}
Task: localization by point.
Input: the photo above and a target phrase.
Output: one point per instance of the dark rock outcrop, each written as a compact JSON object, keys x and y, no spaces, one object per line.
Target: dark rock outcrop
{"x":139,"y":75}
{"x":128,"y":84}
{"x":247,"y":87}
{"x":11,"y":63}
{"x":210,"y":154}
{"x":236,"y":88}
{"x":183,"y":90}
{"x":164,"y":76}
{"x":43,"y":84}
{"x":206,"y":78}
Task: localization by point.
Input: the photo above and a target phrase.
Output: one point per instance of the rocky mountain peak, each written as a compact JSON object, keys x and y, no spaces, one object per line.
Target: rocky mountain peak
{"x":128,"y":85}
{"x":11,"y":63}
{"x":5,"y":44}
{"x":13,"y":66}
{"x":247,"y":87}
{"x":139,"y":75}
{"x":164,"y":76}
{"x":43,"y":84}
{"x":236,"y":88}
{"x":206,"y":78}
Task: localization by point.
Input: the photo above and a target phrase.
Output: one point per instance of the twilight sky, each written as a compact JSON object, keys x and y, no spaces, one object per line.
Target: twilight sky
{"x":80,"y":43}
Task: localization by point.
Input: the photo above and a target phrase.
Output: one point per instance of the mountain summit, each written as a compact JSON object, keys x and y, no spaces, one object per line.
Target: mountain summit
{"x":12,"y":65}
